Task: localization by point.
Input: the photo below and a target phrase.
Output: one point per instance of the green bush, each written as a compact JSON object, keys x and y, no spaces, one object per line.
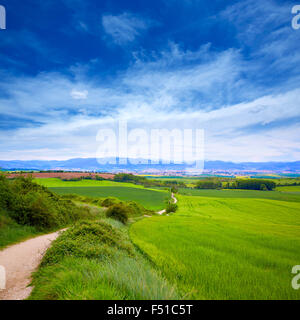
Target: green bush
{"x":99,"y":178}
{"x":171,"y":207}
{"x":109,"y":202}
{"x":6,"y":194}
{"x":4,"y":219}
{"x":174,"y":189}
{"x":84,"y":199}
{"x":34,"y":209}
{"x":263,"y":187}
{"x":136,"y":210}
{"x":86,"y":239}
{"x":118,"y":211}
{"x":33,"y":205}
{"x":208,"y":184}
{"x":97,"y":261}
{"x":255,"y":184}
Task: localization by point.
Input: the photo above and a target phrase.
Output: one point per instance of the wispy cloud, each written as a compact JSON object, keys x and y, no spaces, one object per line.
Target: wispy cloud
{"x":173,"y":89}
{"x":245,"y":97}
{"x":124,"y":28}
{"x":264,"y":28}
{"x":79,"y":95}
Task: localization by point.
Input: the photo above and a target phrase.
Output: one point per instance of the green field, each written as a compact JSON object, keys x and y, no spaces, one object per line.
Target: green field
{"x":150,"y":199}
{"x":225,"y":248}
{"x":251,"y":194}
{"x":173,"y":178}
{"x":289,"y":189}
{"x":55,"y":182}
{"x":220,"y":244}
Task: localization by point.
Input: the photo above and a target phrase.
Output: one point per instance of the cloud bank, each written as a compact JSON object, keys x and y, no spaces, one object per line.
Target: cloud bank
{"x":246,"y":97}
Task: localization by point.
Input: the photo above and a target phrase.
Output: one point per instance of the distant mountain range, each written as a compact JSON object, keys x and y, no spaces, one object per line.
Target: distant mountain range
{"x":91,"y":164}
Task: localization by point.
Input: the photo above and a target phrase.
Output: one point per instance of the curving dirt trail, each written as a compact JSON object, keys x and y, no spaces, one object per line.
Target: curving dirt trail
{"x":173,"y":197}
{"x":174,"y":201}
{"x":19,"y":261}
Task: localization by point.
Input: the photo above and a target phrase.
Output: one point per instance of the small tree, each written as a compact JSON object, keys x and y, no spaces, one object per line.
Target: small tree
{"x":263,"y":187}
{"x":119,"y":212}
{"x":174,"y":190}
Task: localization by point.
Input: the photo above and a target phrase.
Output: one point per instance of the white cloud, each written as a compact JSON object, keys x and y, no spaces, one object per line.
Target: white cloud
{"x":176,"y":89}
{"x":125,"y":27}
{"x":278,"y":43}
{"x":79,"y":95}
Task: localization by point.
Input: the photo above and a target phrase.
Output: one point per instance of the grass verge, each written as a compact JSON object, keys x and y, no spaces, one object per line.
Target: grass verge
{"x":11,"y":232}
{"x":96,"y":260}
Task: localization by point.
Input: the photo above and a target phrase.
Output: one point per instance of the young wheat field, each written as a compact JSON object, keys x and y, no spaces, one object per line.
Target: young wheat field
{"x":225,"y":248}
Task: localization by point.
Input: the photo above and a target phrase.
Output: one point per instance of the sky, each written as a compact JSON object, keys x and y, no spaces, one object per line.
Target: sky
{"x":69,"y":68}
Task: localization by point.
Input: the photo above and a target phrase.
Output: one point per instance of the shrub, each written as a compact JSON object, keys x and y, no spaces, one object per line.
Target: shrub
{"x":119,"y":212}
{"x":109,"y":202}
{"x":171,"y":207}
{"x":6,"y":194}
{"x":31,"y":204}
{"x":255,"y":184}
{"x":84,"y":199}
{"x":99,"y":178}
{"x":86,"y":239}
{"x":136,"y":210}
{"x":125,"y":177}
{"x":34,"y":209}
{"x":4,"y":219}
{"x":208,"y":184}
{"x":263,"y":187}
{"x":174,"y":189}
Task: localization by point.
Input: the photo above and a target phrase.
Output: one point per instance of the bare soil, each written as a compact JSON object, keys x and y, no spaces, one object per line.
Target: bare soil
{"x":19,"y":261}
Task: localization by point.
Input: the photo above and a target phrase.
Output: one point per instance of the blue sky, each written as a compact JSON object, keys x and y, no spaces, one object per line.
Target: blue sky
{"x":71,"y":67}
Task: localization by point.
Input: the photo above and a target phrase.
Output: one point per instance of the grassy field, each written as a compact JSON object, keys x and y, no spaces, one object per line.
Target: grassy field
{"x":289,"y":189}
{"x":153,"y":199}
{"x":250,"y":194}
{"x":55,"y":182}
{"x":225,"y":248}
{"x":173,"y":178}
{"x":220,"y":244}
{"x":150,"y":199}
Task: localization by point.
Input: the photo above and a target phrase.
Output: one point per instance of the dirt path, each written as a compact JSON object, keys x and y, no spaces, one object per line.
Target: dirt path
{"x":174,"y":201}
{"x":173,"y":197}
{"x":19,"y":261}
